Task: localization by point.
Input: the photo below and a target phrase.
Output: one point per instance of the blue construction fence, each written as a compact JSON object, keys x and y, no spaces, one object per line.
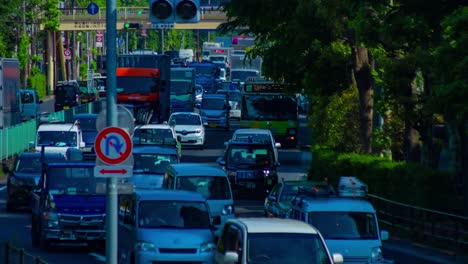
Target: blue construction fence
{"x":16,"y":139}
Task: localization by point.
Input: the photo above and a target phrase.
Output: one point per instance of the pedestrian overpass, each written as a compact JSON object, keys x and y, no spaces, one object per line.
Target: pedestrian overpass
{"x":78,"y":19}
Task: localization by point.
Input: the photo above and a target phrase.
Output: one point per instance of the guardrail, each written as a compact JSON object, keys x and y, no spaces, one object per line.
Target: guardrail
{"x":16,"y":139}
{"x":441,"y":229}
{"x":15,"y":255}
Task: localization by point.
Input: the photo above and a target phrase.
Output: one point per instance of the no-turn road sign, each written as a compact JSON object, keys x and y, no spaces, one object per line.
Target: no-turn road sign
{"x":113,"y":145}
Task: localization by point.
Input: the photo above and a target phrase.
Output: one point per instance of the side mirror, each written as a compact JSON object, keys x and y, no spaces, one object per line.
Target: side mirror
{"x":5,"y":168}
{"x":277,"y":145}
{"x":384,"y":235}
{"x":337,"y":258}
{"x":221,"y":161}
{"x":231,"y":257}
{"x":226,"y":143}
{"x":272,"y":198}
{"x":205,"y":123}
{"x":216,"y":220}
{"x":172,"y":123}
{"x":40,"y":101}
{"x":31,"y":144}
{"x":82,"y":144}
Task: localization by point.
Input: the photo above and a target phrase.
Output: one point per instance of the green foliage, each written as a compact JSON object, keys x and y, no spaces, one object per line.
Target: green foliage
{"x":37,"y":81}
{"x":400,"y":181}
{"x":23,"y":52}
{"x":335,"y":121}
{"x":52,"y":15}
{"x":83,"y":71}
{"x":3,"y":46}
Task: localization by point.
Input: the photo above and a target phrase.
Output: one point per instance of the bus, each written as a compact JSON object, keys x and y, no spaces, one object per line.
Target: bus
{"x":267,"y":105}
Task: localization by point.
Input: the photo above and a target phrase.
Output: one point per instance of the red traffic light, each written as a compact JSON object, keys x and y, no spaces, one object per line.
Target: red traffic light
{"x":186,"y":9}
{"x":161,"y":9}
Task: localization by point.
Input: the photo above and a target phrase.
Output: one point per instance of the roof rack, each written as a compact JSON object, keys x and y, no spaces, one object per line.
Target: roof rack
{"x":351,"y":186}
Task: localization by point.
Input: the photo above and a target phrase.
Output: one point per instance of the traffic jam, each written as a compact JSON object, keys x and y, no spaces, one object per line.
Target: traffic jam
{"x":173,"y":211}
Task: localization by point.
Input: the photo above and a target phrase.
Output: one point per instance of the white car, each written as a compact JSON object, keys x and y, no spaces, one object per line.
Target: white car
{"x":189,"y":127}
{"x":156,"y":134}
{"x":272,"y":240}
{"x":58,"y":138}
{"x":257,"y":133}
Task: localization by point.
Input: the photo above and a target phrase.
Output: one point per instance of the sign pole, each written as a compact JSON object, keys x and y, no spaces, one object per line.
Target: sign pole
{"x":111,"y":107}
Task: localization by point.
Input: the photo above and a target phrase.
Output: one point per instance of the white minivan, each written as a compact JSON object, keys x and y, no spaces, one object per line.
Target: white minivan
{"x":210,"y":181}
{"x":58,"y":138}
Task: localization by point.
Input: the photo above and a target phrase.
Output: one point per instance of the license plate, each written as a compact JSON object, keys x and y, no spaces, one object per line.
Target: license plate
{"x":66,"y":107}
{"x":269,"y":181}
{"x":213,"y":125}
{"x":250,"y":185}
{"x":84,"y":100}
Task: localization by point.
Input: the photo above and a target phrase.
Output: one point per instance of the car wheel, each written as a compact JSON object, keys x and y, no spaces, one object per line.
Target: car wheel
{"x":34,"y":234}
{"x":202,"y":147}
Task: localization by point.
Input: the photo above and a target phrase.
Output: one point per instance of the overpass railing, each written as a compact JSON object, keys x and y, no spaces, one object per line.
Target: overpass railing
{"x":433,"y":227}
{"x":136,"y":14}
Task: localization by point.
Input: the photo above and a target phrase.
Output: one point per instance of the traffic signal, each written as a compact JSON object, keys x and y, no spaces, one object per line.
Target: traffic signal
{"x":132,"y":25}
{"x":187,"y":11}
{"x":174,"y":11}
{"x":161,"y":11}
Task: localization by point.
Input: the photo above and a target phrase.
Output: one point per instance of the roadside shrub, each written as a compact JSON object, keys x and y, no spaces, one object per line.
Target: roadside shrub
{"x":403,"y":182}
{"x":37,"y":81}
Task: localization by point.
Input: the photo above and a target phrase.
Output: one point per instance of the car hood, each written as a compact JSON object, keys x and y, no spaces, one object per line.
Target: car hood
{"x":60,"y":150}
{"x":217,"y":206}
{"x":353,"y":249}
{"x":147,"y":181}
{"x":186,"y":128}
{"x":29,"y":177}
{"x":176,"y":237}
{"x":80,"y":204}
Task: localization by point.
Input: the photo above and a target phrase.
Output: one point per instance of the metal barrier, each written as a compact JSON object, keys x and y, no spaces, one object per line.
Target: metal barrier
{"x":16,"y":139}
{"x":14,"y":255}
{"x":434,"y":227}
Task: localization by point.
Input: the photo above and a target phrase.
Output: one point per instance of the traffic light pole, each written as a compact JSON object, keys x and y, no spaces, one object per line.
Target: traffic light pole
{"x":111,"y":107}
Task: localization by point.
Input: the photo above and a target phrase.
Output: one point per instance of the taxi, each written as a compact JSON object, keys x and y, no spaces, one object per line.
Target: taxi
{"x":278,"y":202}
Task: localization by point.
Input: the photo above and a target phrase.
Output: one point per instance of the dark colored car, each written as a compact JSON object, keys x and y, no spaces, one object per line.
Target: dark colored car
{"x":24,"y":177}
{"x":251,"y":166}
{"x":67,"y":95}
{"x":87,"y":123}
{"x":278,"y":202}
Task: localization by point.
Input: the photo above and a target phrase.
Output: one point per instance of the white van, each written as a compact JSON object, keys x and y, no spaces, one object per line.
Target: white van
{"x":186,"y":54}
{"x":58,"y":138}
{"x":210,"y":181}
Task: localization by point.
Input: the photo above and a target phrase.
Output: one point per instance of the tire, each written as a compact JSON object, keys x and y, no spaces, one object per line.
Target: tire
{"x":34,"y":234}
{"x":202,"y":147}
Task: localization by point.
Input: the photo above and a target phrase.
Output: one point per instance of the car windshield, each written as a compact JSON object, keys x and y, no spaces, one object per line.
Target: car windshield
{"x":249,"y":155}
{"x":153,"y":163}
{"x":179,"y":88}
{"x":271,"y":248}
{"x":217,"y":58}
{"x":213,"y":104}
{"x":205,"y":70}
{"x":344,"y":225}
{"x":243,"y":75}
{"x":57,"y":138}
{"x":73,"y":180}
{"x":65,"y":92}
{"x":245,"y":136}
{"x":191,"y":120}
{"x":269,"y":107}
{"x":173,"y":214}
{"x":32,"y":164}
{"x":87,"y":123}
{"x":212,"y":188}
{"x":161,"y":136}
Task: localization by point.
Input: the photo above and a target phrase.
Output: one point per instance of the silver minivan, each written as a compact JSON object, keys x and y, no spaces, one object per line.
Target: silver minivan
{"x":159,"y":226}
{"x":210,"y":181}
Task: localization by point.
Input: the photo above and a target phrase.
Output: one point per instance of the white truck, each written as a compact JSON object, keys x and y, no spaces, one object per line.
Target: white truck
{"x":10,"y":103}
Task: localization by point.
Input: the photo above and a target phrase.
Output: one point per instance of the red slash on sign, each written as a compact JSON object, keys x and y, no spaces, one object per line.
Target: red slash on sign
{"x":120,"y":171}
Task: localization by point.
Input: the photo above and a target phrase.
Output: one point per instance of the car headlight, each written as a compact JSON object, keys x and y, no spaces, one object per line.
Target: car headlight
{"x":144,"y":246}
{"x":207,"y":247}
{"x":266,"y":172}
{"x":228,"y":209}
{"x":51,"y":219}
{"x":198,"y":131}
{"x":376,"y":255}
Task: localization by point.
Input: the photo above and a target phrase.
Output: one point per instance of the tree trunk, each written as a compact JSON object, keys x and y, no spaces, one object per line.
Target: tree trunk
{"x":363,"y":66}
{"x":412,"y":142}
{"x":464,"y":160}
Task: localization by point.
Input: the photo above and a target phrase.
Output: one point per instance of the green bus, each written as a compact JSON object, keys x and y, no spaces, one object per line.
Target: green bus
{"x":267,"y":105}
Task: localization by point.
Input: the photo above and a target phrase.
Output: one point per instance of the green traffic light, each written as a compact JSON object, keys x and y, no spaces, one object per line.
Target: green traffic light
{"x":127,"y":25}
{"x":140,"y":12}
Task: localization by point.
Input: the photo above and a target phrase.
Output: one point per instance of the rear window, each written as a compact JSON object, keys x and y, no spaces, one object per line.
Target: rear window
{"x":67,"y":91}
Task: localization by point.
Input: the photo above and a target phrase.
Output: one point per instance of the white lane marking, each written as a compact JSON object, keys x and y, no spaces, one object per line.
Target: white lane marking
{"x":3,"y":188}
{"x":98,"y":257}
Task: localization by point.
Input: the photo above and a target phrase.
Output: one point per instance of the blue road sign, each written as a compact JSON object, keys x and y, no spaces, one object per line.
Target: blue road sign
{"x":119,"y":41}
{"x":92,"y":8}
